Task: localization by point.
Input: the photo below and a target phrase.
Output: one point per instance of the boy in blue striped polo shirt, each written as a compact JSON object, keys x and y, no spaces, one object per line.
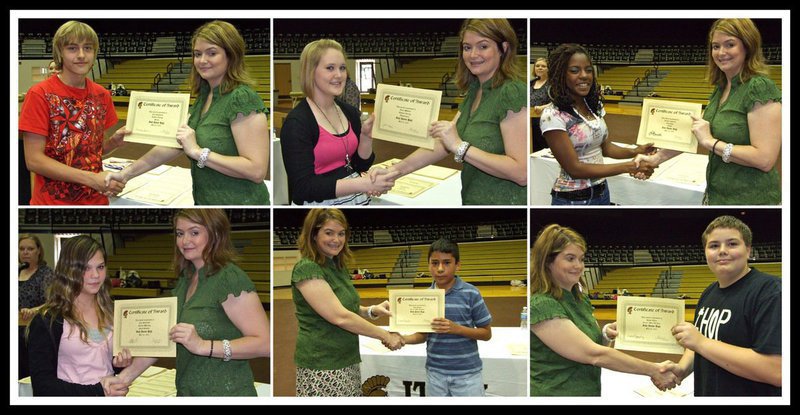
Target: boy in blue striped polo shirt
{"x":454,"y":365}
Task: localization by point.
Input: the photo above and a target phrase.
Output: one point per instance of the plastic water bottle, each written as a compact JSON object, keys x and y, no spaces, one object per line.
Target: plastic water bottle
{"x":523,"y":319}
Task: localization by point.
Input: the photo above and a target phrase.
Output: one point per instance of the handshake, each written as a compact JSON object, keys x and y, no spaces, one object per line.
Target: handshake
{"x":645,"y":162}
{"x":379,"y":180}
{"x":393,"y":341}
{"x":667,"y":375}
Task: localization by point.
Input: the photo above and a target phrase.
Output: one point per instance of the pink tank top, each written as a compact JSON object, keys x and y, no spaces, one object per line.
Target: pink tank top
{"x":83,"y":363}
{"x":330,"y":150}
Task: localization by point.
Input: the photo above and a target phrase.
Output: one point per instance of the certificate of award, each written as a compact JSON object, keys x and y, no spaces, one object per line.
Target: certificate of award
{"x":645,"y":324}
{"x":403,"y":115}
{"x":410,"y":187}
{"x":414,"y":310}
{"x":668,"y":124}
{"x":154,"y":117}
{"x":142,"y":326}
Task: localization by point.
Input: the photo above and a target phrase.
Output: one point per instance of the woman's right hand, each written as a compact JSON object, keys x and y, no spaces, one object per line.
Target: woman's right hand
{"x":109,"y":186}
{"x":380,"y":182}
{"x":393,"y":341}
{"x":114,"y":386}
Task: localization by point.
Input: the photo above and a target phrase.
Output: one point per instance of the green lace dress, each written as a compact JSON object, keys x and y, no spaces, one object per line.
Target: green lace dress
{"x":731,"y":183}
{"x":482,"y":130}
{"x":213,"y":130}
{"x":197,"y":375}
{"x":320,"y":344}
{"x":551,"y":374}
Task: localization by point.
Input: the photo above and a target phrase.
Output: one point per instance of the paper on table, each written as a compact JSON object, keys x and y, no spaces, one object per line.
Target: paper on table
{"x":161,"y":384}
{"x":436,"y":172}
{"x":685,"y":168}
{"x":650,"y":391}
{"x":410,"y":187}
{"x":377,"y":346}
{"x":160,"y":191}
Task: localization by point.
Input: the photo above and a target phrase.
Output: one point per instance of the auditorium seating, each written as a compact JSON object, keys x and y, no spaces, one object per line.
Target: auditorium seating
{"x":151,"y":257}
{"x":488,"y":262}
{"x":286,"y":237}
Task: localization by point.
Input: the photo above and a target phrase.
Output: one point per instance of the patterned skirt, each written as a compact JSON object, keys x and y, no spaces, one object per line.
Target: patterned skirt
{"x":338,"y":382}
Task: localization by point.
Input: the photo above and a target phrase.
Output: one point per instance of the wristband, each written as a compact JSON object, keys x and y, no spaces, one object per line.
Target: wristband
{"x":212,"y":349}
{"x":714,"y":147}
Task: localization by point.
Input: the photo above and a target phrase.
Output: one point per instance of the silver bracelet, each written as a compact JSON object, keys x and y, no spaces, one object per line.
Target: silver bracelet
{"x":605,"y":336}
{"x":461,"y":151}
{"x":726,"y":153}
{"x":226,"y":350}
{"x":201,"y":161}
{"x":369,"y":313}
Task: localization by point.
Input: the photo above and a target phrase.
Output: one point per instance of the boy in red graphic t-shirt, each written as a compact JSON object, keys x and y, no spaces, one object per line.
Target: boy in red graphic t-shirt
{"x":63,"y":122}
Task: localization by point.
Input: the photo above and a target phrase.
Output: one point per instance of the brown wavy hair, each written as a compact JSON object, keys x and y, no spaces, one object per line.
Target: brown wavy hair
{"x":314,"y":221}
{"x":747,"y":32}
{"x":224,"y":35}
{"x":219,"y":249}
{"x":550,"y":241}
{"x":68,"y":281}
{"x":500,"y":31}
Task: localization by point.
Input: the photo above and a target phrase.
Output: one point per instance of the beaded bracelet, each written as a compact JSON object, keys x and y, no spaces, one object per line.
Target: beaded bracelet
{"x":226,"y":350}
{"x":726,"y":153}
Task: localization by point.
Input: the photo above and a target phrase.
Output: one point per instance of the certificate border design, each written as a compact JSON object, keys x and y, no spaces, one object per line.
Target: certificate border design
{"x":438,"y":293}
{"x":622,"y":343}
{"x":648,"y":104}
{"x":168,"y":350}
{"x":156,"y":140}
{"x":398,"y":137}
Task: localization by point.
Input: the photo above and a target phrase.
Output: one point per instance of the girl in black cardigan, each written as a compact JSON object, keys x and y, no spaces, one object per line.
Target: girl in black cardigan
{"x":77,"y":298}
{"x":325,"y":147}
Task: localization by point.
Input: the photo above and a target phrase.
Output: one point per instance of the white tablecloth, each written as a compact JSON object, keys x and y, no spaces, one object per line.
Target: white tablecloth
{"x":504,"y":373}
{"x":679,"y":181}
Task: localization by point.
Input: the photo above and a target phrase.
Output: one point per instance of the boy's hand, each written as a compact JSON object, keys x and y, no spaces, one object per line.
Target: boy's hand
{"x":442,"y":325}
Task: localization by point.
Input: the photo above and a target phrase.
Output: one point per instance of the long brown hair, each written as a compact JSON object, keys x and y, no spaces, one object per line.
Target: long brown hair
{"x":224,"y":35}
{"x":314,"y":221}
{"x":67,"y":284}
{"x":500,"y":31}
{"x":219,"y":249}
{"x":550,"y":241}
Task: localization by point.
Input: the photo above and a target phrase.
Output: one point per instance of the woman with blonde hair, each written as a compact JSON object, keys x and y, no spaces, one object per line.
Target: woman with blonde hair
{"x":741,"y":126}
{"x":326,"y":148}
{"x":226,"y":132}
{"x":70,"y":339}
{"x":329,"y":314}
{"x":489,"y":133}
{"x":568,"y":348}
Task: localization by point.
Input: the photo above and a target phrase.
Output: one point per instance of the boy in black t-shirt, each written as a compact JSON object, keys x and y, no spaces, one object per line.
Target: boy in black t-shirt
{"x":734,"y":346}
